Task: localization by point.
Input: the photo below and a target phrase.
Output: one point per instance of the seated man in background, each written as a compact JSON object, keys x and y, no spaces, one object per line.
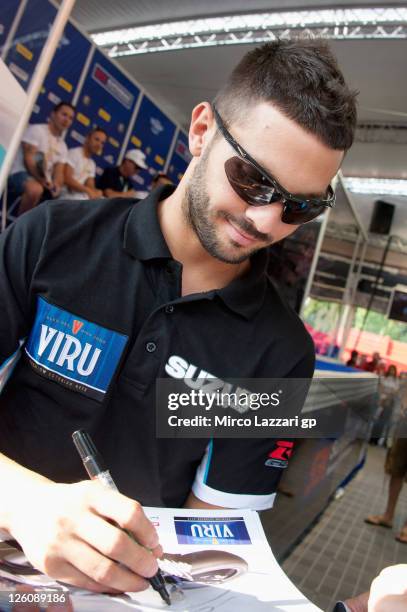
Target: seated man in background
{"x":80,"y":169}
{"x":38,"y":170}
{"x":116,"y":182}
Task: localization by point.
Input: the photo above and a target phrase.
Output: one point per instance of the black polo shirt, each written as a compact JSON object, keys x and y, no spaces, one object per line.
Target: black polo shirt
{"x":113,"y":179}
{"x":91,"y":294}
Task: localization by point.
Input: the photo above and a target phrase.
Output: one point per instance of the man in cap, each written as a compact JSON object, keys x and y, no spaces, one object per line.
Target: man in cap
{"x":116,"y":182}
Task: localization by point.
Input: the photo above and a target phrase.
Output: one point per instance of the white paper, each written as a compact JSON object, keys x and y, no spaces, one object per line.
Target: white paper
{"x":262,"y":587}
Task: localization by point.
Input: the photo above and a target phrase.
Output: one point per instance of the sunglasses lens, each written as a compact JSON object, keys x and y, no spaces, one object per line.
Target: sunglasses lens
{"x":249,"y":183}
{"x":296,"y":213}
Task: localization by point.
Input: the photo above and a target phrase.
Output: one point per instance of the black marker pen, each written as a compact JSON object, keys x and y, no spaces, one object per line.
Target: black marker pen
{"x":96,"y":469}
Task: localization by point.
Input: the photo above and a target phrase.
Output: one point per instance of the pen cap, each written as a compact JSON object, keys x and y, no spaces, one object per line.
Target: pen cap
{"x":88,"y":452}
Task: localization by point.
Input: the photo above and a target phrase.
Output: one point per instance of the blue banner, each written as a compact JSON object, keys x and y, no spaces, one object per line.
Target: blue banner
{"x":29,"y":40}
{"x":8,"y":11}
{"x":201,"y":530}
{"x":64,"y":73}
{"x":76,"y":353}
{"x":107,"y":100}
{"x":180,"y":158}
{"x":152,"y":133}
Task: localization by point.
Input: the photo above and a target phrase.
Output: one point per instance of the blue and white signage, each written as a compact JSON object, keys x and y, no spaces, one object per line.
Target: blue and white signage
{"x":107,"y":100}
{"x":29,"y":40}
{"x":201,"y":530}
{"x":152,"y":133}
{"x":64,"y":73}
{"x":180,"y":158}
{"x":8,"y":11}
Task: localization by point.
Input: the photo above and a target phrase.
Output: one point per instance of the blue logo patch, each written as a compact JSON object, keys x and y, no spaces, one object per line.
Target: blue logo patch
{"x":200,"y":530}
{"x":79,"y":354}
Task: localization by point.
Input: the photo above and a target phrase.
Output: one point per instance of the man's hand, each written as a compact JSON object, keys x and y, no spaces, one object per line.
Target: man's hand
{"x":66,"y":531}
{"x":358,"y":603}
{"x":388,"y":592}
{"x":94,"y":193}
{"x":45,"y":183}
{"x":55,"y":189}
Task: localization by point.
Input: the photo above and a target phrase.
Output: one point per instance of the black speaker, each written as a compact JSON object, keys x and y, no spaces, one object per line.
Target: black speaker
{"x":382,"y":217}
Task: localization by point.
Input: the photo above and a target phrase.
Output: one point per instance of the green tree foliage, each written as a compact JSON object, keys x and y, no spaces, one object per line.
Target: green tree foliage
{"x":379,"y":324}
{"x":323,"y":316}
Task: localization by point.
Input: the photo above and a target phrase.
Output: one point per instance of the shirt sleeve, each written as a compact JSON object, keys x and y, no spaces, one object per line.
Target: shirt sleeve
{"x":32,"y":135}
{"x":20,"y":247}
{"x":92,"y":171}
{"x":71,"y":158}
{"x":244,"y":473}
{"x":234,"y":473}
{"x":63,"y":154}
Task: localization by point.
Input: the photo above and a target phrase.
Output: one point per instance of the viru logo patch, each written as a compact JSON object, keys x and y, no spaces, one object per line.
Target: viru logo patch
{"x":72,"y":351}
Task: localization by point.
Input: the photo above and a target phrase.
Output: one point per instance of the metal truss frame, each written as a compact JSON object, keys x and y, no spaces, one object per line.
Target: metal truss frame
{"x":350,"y":24}
{"x":381,"y":132}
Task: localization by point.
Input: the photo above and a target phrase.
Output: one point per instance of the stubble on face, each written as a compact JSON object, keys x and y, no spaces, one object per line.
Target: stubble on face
{"x":205,"y":223}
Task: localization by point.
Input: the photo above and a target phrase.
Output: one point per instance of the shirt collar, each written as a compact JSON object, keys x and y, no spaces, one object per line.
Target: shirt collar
{"x":245,"y":295}
{"x":143,"y":239}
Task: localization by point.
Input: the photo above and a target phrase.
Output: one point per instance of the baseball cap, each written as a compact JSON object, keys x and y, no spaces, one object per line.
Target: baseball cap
{"x":137,"y":157}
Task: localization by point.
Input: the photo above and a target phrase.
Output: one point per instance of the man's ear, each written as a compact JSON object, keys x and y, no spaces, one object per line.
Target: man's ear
{"x":202,"y":120}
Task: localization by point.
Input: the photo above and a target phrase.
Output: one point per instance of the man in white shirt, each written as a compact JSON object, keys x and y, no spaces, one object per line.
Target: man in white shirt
{"x":80,"y":169}
{"x":39,"y":164}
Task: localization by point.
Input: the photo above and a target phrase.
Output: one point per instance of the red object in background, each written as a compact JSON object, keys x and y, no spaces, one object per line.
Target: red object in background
{"x":100,"y":75}
{"x":391,"y":351}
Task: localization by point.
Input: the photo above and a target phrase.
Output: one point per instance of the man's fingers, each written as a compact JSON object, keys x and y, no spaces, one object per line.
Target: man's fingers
{"x":125,"y":512}
{"x":158,"y":551}
{"x":103,"y":571}
{"x":114,"y":543}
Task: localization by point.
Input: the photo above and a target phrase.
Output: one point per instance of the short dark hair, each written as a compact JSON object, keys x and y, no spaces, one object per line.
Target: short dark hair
{"x":301,"y":77}
{"x":61,"y":104}
{"x":96,"y":129}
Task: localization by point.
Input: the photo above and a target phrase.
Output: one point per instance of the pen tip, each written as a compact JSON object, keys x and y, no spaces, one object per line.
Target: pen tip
{"x":164,"y":594}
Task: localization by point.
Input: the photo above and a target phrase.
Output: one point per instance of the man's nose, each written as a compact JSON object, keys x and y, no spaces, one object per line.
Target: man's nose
{"x":265,"y":218}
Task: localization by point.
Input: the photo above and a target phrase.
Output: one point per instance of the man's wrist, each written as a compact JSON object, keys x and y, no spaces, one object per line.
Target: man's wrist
{"x":353,"y":604}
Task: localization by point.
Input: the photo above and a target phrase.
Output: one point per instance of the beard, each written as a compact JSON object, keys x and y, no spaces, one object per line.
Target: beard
{"x":196,"y":209}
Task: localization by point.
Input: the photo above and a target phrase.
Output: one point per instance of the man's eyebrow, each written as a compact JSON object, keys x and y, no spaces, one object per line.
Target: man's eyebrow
{"x":309,"y":196}
{"x":306,"y":196}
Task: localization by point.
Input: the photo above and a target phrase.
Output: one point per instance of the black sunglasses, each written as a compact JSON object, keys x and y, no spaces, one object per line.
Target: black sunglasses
{"x":258,"y":187}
